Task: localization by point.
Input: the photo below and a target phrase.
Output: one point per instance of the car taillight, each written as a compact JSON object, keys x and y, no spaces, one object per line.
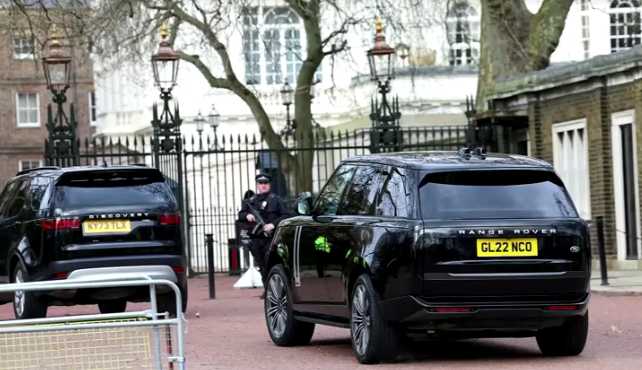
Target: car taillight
{"x":169,"y":219}
{"x":61,"y":224}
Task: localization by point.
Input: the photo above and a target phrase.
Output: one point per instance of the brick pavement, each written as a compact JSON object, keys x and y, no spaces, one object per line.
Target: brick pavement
{"x":231,"y":334}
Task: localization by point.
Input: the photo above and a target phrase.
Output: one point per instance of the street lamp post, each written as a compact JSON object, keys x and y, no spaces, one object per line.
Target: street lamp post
{"x":200,"y":126}
{"x":165,"y":66}
{"x":214,"y":119}
{"x":61,"y":148}
{"x":385,"y":117}
{"x":287,"y":97}
{"x":168,"y":143}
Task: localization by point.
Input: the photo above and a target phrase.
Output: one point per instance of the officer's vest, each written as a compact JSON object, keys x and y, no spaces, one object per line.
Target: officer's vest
{"x":321,"y":244}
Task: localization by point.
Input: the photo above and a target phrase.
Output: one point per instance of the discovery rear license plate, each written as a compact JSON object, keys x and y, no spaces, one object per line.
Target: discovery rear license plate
{"x":526,"y":247}
{"x":106,"y":227}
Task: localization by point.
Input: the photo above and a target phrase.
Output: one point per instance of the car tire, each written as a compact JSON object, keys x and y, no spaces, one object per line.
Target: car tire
{"x":374,"y":340}
{"x":566,"y":340}
{"x":167,"y":302}
{"x":283,"y":328}
{"x":116,"y":306}
{"x":26,"y":305}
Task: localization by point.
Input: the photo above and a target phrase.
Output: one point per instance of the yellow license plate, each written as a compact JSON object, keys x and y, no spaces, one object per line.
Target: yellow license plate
{"x":107,"y":227}
{"x":526,"y":247}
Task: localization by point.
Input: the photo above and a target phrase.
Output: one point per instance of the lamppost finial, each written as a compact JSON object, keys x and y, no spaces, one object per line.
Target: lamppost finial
{"x":378,"y":26}
{"x":164,"y":31}
{"x":54,"y":32}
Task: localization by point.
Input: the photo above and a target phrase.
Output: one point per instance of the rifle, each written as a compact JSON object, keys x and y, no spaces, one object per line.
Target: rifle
{"x":260,"y":223}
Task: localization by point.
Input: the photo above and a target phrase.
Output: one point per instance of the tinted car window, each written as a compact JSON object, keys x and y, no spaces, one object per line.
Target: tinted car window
{"x":21,"y":197}
{"x":38,"y":189}
{"x":393,"y":196}
{"x":96,"y":196}
{"x":494,"y":194}
{"x":112,"y":188}
{"x":360,"y":198}
{"x":328,"y":201}
{"x":5,"y":198}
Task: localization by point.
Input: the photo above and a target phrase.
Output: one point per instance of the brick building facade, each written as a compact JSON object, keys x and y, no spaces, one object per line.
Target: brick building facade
{"x":585,"y":119}
{"x":24,"y":98}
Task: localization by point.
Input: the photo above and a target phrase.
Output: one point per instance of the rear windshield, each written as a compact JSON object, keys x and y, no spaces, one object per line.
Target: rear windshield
{"x":96,"y":191}
{"x":494,"y":194}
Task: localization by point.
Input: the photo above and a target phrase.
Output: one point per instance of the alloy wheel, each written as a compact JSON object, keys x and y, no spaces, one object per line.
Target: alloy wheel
{"x":276,"y":301}
{"x":361,"y":320}
{"x":19,"y":295}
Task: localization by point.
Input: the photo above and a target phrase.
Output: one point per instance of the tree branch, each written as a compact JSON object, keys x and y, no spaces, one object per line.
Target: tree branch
{"x":335,"y":49}
{"x":220,"y":83}
{"x":546,"y":29}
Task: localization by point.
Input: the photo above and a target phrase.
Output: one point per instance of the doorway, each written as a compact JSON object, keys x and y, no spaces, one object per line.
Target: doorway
{"x":625,"y":174}
{"x":519,"y":142}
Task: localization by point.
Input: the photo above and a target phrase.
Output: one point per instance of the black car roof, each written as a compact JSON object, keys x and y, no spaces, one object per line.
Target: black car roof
{"x":439,"y":160}
{"x":54,"y":170}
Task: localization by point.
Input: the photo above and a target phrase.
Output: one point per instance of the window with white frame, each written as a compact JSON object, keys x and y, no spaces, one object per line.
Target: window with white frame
{"x":28,"y":164}
{"x":24,"y":48}
{"x":27,"y":109}
{"x":586,"y":35}
{"x":570,"y":159}
{"x":463,"y":29}
{"x":92,"y":107}
{"x":625,"y":24}
{"x":273,"y":46}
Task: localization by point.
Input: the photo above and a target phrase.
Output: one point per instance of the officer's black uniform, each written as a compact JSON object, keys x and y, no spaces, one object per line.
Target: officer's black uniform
{"x":272,"y":209}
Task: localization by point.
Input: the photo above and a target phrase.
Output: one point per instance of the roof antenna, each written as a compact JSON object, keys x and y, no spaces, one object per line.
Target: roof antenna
{"x":480,"y":152}
{"x":464,"y":152}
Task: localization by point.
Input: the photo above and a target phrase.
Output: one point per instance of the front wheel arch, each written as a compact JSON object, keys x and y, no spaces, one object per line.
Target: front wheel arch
{"x":356,"y":271}
{"x":14,"y":260}
{"x":275,"y":259}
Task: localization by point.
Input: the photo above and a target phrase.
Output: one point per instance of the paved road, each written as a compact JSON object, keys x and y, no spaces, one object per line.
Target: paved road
{"x":231,"y":334}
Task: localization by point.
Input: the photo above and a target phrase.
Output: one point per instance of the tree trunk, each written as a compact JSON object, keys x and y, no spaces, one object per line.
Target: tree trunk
{"x":305,"y":140}
{"x":514,"y":41}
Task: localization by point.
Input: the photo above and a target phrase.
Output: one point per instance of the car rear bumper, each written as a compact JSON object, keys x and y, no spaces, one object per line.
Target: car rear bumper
{"x":417,"y":313}
{"x":163,"y":267}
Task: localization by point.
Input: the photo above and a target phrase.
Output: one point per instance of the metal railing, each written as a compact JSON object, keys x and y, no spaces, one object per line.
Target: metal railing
{"x":128,"y":340}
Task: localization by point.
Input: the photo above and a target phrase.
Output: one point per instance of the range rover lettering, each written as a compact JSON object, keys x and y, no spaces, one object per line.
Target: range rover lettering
{"x":459,"y":244}
{"x":90,"y":223}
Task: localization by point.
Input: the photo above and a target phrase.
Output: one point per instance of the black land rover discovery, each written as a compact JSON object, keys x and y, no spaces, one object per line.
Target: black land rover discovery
{"x":88,"y":223}
{"x":433,"y":245}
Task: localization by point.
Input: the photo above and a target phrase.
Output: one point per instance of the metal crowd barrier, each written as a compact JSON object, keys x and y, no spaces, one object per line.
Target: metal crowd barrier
{"x":129,"y":340}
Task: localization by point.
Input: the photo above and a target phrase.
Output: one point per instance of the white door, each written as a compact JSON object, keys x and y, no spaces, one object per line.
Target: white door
{"x":625,"y":184}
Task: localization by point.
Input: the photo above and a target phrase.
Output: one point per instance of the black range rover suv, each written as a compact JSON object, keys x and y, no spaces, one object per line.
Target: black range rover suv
{"x":433,"y":245}
{"x":89,"y":223}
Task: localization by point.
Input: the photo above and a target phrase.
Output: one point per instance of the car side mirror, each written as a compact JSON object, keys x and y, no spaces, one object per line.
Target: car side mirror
{"x":303,"y":203}
{"x":302,"y":206}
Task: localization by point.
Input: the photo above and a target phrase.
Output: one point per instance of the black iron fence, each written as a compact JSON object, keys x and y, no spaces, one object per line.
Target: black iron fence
{"x":215,"y":173}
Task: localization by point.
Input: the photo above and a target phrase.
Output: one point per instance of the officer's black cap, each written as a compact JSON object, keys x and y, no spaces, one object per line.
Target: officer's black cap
{"x":263,"y":178}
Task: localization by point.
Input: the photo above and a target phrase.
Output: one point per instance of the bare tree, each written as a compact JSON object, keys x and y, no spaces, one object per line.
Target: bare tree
{"x":515,"y":41}
{"x":122,"y":31}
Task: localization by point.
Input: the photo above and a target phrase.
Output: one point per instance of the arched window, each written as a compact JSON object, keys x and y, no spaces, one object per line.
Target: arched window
{"x":463,"y":29}
{"x":273,"y":45}
{"x":625,"y":24}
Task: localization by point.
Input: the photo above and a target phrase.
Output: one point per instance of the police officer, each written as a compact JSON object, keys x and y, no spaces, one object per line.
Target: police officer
{"x":272,"y":209}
